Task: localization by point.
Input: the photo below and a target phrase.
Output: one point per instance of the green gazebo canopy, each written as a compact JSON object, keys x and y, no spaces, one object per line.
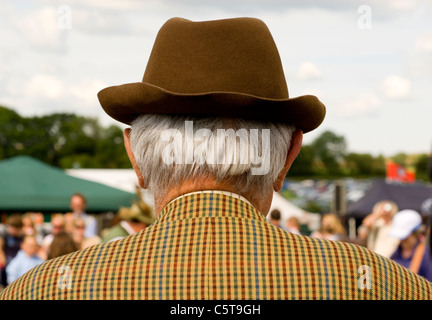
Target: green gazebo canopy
{"x":27,"y":184}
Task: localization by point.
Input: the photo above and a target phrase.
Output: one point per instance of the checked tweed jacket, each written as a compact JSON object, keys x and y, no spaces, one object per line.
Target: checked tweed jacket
{"x":216,"y":246}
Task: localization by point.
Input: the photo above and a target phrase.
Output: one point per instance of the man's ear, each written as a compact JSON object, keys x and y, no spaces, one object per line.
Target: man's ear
{"x":126,"y":138}
{"x":294,"y":149}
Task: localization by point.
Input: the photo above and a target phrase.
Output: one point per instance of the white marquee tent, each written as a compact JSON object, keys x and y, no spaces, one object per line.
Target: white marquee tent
{"x":287,"y":210}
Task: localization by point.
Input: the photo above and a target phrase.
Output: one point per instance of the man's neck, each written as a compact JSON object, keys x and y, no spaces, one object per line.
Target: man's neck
{"x":260,"y":201}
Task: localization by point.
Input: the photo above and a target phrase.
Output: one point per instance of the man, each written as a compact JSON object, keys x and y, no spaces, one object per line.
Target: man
{"x":11,"y":243}
{"x":25,"y":259}
{"x":58,"y":225}
{"x":213,"y":186}
{"x":376,"y":227}
{"x":77,"y":233}
{"x":136,"y":218}
{"x":78,"y":205}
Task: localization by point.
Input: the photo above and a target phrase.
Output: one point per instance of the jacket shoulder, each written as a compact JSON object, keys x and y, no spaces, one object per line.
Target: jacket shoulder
{"x":376,"y":277}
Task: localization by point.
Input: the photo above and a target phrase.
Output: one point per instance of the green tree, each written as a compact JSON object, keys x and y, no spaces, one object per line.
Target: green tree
{"x":378,"y":166}
{"x":12,"y":126}
{"x":400,"y":158}
{"x":110,"y":149}
{"x":304,"y":163}
{"x":422,"y":167}
{"x":330,"y":150}
{"x":364,"y":165}
{"x":359,"y":164}
{"x":62,"y":139}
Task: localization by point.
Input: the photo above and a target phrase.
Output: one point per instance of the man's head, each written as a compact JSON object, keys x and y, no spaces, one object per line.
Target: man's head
{"x":78,"y":203}
{"x":78,"y":229}
{"x":218,"y":153}
{"x":30,"y":245}
{"x":213,"y":112}
{"x":386,"y":210}
{"x":58,"y":223}
{"x":15,"y":225}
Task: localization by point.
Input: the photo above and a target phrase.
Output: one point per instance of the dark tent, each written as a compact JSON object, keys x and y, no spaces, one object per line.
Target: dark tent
{"x":27,"y":184}
{"x":406,"y":196}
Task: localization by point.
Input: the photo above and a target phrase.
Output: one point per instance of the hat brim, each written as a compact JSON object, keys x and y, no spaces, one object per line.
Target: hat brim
{"x":126,"y":102}
{"x":399,"y":233}
{"x":402,"y":232}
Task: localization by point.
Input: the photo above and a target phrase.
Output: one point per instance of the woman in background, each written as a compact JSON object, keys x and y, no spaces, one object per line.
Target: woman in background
{"x":62,"y":243}
{"x":331,"y":228}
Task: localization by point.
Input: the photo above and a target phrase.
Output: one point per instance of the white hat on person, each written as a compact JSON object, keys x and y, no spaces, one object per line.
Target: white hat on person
{"x":404,"y":223}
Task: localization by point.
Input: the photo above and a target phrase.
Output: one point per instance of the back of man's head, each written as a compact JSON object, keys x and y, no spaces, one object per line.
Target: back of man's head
{"x":248,"y":154}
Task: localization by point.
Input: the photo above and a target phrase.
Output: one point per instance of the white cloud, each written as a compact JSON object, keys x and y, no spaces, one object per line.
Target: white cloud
{"x":424,"y":43}
{"x":315,"y":92}
{"x":46,"y":93}
{"x":44,"y":86}
{"x":362,"y":104}
{"x":40,"y":27}
{"x":85,"y":93}
{"x":308,"y":70}
{"x":396,"y":87}
{"x":402,"y":4}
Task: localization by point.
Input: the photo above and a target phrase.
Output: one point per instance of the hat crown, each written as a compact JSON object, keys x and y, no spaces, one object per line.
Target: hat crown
{"x":235,"y":55}
{"x":407,"y":219}
{"x":405,"y":222}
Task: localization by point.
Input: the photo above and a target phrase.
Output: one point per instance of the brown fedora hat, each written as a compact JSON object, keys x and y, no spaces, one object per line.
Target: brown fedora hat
{"x":228,"y":67}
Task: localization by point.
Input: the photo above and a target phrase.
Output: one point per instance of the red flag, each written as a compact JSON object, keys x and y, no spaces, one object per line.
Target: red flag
{"x":398,"y":173}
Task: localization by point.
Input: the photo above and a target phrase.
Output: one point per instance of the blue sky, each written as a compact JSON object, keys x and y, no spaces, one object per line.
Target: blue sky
{"x":372,"y":69}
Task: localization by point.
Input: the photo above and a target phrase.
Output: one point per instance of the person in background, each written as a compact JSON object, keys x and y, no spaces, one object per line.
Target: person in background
{"x":275,"y":218}
{"x":78,"y":205}
{"x":81,"y":241}
{"x":25,"y":259}
{"x":29,"y":227}
{"x":14,"y":236}
{"x":58,"y":224}
{"x":426,"y":211}
{"x":11,"y":242}
{"x":375,"y":228}
{"x":61,"y":244}
{"x":3,"y":282}
{"x":331,"y":228}
{"x":39,"y":221}
{"x":412,"y":251}
{"x":136,"y":218}
{"x":293,"y":225}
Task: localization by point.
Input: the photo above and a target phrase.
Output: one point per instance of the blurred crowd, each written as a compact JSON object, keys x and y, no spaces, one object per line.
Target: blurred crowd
{"x":401,"y":235}
{"x":26,"y":241}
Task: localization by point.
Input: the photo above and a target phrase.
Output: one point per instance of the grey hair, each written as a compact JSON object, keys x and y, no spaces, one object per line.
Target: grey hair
{"x":166,"y":150}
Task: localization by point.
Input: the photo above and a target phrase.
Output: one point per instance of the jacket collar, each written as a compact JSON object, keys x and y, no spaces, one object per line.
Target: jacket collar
{"x":211,"y":203}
